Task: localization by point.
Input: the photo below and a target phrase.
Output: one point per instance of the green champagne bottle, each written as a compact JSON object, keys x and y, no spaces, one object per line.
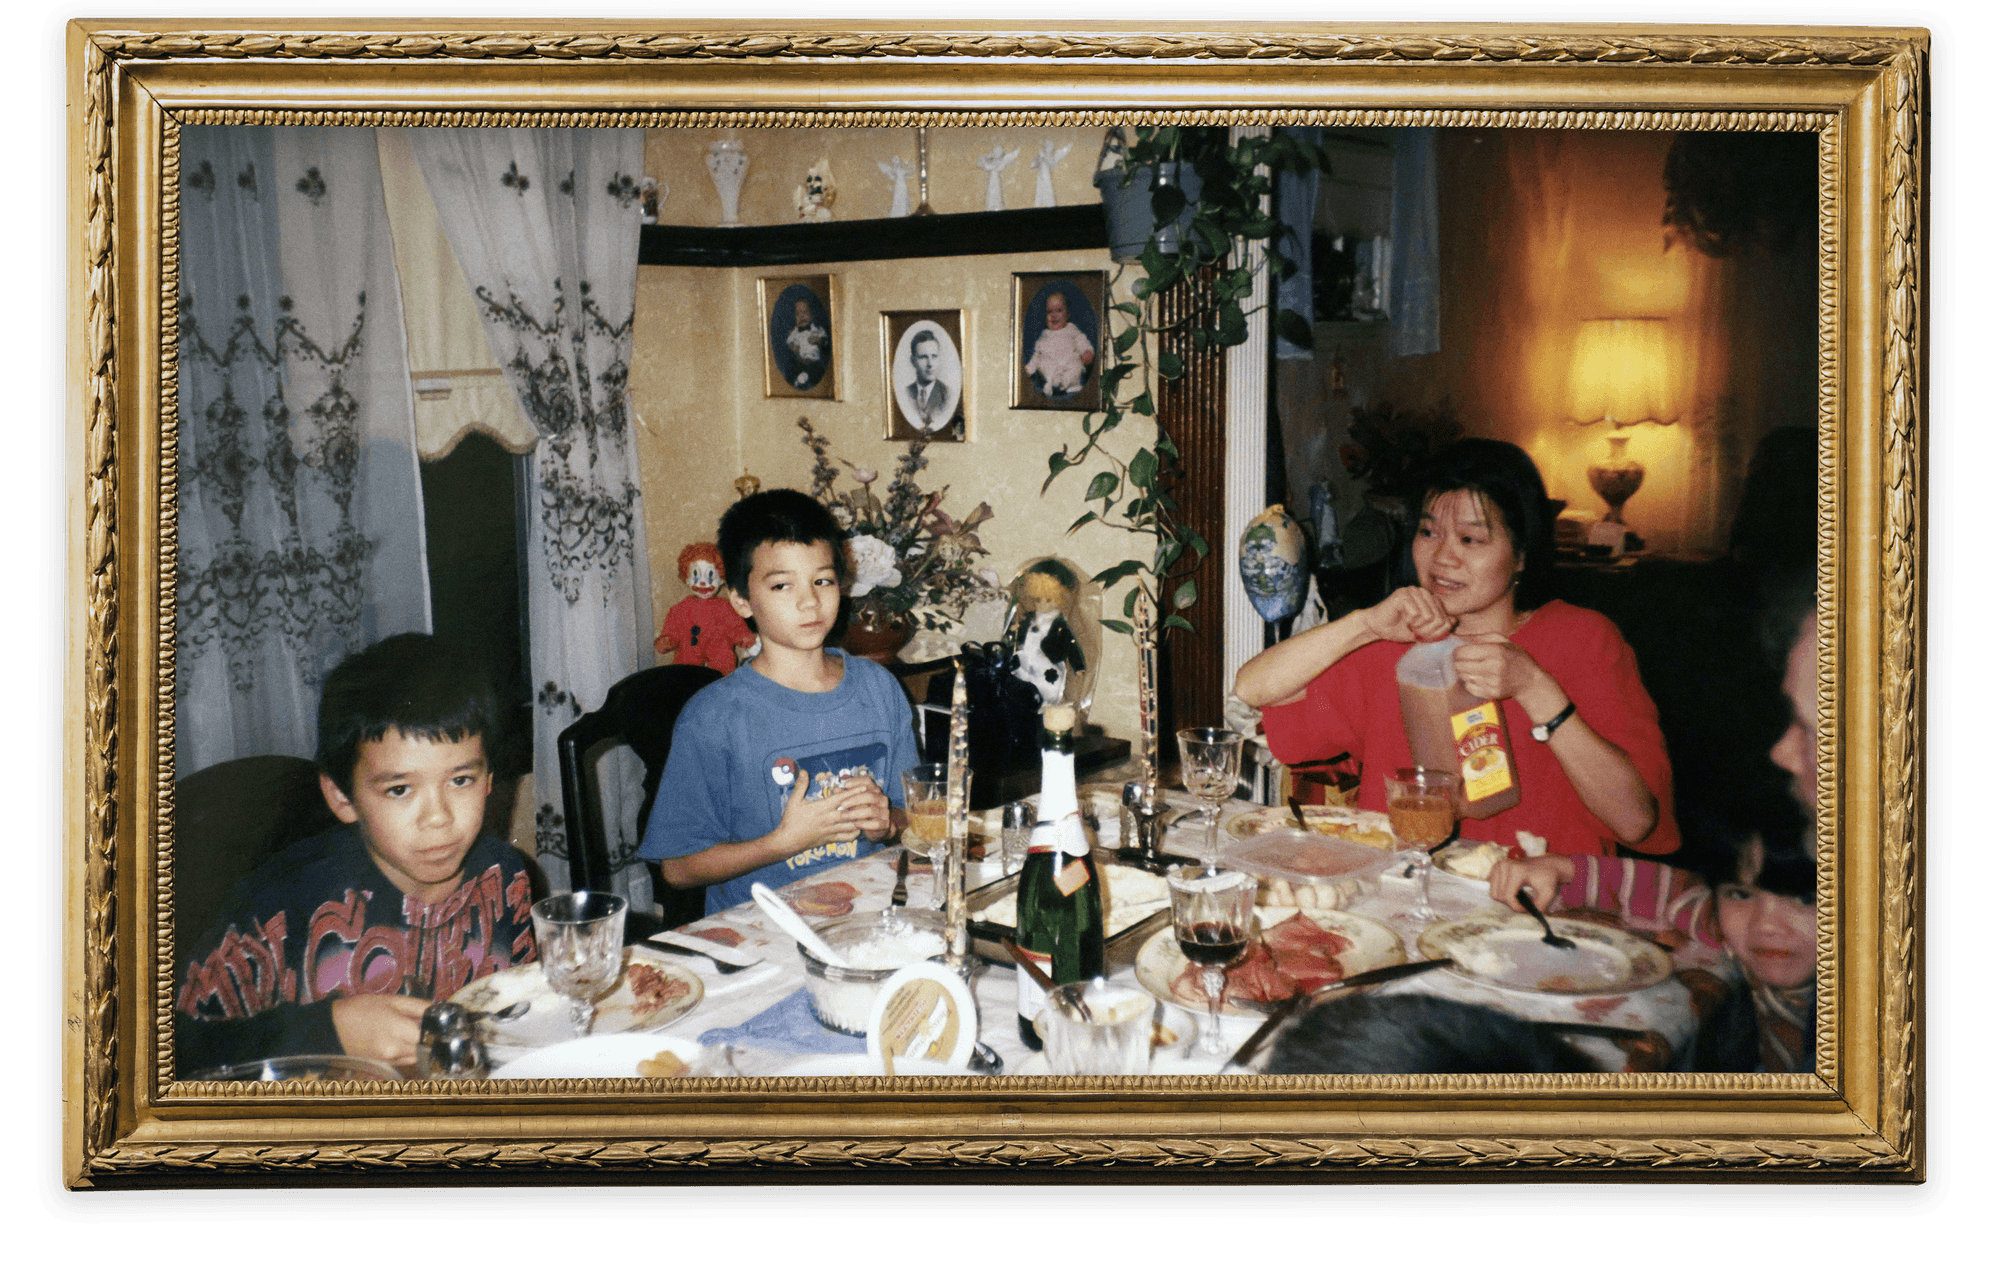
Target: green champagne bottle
{"x":1059,"y":921}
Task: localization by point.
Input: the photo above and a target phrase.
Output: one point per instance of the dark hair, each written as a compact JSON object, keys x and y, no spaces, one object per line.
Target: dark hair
{"x":924,"y":334}
{"x":1415,"y":1033}
{"x":775,"y":516}
{"x":420,"y":685}
{"x":1503,"y":477}
{"x":1724,"y":821}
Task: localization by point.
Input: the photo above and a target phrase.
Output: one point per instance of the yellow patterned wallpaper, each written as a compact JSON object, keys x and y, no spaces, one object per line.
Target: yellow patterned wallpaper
{"x":698,"y":376}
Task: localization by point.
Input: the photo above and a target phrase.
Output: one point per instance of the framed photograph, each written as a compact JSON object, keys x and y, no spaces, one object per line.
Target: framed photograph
{"x":923,"y":374}
{"x":1058,"y":326}
{"x":1853,"y":1112}
{"x":800,"y":337}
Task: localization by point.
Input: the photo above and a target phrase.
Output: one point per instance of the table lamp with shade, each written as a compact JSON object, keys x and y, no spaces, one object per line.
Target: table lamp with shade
{"x":1618,"y":376}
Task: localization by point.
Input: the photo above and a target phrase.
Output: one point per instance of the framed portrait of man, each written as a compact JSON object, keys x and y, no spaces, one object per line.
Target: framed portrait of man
{"x":1058,"y":329}
{"x":924,"y":375}
{"x":799,"y":346}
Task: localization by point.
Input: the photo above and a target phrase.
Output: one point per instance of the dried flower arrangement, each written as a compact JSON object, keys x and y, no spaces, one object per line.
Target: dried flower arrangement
{"x":906,"y":555}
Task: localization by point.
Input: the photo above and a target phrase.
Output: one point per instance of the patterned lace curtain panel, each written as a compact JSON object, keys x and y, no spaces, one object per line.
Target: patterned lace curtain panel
{"x":545,"y":224}
{"x":300,"y":511}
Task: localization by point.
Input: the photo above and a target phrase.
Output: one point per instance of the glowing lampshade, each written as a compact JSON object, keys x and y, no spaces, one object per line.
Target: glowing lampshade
{"x":1619,"y":373}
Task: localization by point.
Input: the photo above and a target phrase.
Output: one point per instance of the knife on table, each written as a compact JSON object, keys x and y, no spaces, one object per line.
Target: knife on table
{"x":709,"y":949}
{"x":900,"y":895}
{"x":1303,"y":999}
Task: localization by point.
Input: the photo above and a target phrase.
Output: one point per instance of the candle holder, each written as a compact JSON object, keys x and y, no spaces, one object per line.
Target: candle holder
{"x":957,"y":793}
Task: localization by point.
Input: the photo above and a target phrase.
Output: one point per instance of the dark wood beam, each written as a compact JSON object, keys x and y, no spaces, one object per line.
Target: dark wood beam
{"x":1059,"y":229}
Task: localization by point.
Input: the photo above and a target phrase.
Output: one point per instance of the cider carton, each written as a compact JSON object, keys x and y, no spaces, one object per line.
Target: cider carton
{"x":1450,"y":729}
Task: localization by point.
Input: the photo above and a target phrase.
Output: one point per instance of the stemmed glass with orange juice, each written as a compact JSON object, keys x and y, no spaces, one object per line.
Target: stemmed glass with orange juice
{"x":923,"y":802}
{"x":1423,"y":809}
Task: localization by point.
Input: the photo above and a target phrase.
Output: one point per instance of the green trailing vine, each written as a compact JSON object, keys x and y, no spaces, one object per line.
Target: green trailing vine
{"x":1223,"y":224}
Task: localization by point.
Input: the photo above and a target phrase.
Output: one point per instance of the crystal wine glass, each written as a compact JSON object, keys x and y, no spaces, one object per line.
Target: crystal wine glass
{"x":1423,"y":810}
{"x":582,"y":940}
{"x":1210,"y":759}
{"x":1212,"y":917}
{"x":924,"y":802}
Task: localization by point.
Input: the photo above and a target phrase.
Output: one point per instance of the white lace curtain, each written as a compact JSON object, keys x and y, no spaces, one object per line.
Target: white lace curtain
{"x":300,"y":510}
{"x":545,"y":224}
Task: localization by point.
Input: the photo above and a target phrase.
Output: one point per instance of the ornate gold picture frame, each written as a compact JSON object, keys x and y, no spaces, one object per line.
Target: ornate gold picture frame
{"x":1858,"y":1116}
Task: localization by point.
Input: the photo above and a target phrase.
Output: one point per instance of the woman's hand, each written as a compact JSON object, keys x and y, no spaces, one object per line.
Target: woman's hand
{"x":1543,"y":877}
{"x":1491,"y":666}
{"x":1409,"y":614}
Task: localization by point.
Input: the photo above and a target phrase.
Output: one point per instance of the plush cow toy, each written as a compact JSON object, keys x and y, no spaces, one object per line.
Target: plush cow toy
{"x":703,"y":628}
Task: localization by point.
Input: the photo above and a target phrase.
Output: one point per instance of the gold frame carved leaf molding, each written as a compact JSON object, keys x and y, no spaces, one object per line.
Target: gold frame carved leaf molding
{"x":1858,"y":1116}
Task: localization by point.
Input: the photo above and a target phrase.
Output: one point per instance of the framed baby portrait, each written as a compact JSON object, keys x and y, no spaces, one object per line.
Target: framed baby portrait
{"x":1058,"y":326}
{"x":800,"y":340}
{"x":273,"y":129}
{"x":923,"y":375}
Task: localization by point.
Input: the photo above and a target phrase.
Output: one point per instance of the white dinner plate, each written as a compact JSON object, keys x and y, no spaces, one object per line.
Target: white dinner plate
{"x":1506,"y":950}
{"x":547,"y":1020}
{"x":1375,"y":945}
{"x":1336,"y":821}
{"x":599,"y":1056}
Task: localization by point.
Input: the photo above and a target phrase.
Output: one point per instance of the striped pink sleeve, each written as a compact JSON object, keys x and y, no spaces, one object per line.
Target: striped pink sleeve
{"x":1645,"y":895}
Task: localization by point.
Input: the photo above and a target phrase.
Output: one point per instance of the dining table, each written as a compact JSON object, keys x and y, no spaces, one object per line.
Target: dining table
{"x":756,"y":1021}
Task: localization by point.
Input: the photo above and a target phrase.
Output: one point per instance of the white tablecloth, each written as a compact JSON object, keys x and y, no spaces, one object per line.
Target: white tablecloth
{"x":1666,"y":1009}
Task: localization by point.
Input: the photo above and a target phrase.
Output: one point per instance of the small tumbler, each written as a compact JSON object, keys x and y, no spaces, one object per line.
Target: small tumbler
{"x":1117,"y":1039}
{"x":1017,"y":823}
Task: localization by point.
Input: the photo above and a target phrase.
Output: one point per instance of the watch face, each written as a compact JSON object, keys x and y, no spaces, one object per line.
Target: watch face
{"x":1540,"y":733}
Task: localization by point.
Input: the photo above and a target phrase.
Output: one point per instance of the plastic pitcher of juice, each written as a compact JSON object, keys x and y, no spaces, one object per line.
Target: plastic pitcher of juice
{"x":1450,"y":729}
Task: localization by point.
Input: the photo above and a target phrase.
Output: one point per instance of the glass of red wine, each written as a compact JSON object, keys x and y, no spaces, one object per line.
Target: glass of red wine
{"x":1213,"y":915}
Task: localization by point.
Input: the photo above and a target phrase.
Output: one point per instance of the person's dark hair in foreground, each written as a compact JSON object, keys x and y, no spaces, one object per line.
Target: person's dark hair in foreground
{"x":1765,"y":883}
{"x":1415,"y":1033}
{"x":414,"y":684}
{"x":774,"y":516}
{"x":1504,"y":478}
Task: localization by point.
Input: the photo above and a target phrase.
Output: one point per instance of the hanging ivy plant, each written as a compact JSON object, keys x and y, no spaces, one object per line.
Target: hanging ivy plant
{"x":1223,"y":224}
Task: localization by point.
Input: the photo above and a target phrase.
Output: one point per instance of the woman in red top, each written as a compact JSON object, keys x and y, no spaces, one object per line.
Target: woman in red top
{"x":1484,"y":559}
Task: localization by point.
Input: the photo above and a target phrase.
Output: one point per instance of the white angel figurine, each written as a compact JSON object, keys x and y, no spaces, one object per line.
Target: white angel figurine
{"x":994,"y":162}
{"x":1044,"y":165}
{"x":898,"y":170}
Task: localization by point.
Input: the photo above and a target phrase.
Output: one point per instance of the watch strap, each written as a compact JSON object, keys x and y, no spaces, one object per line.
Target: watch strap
{"x":1542,"y":732}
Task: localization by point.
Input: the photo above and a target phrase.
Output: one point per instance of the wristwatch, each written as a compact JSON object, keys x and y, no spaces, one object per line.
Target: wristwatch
{"x":1541,"y":732}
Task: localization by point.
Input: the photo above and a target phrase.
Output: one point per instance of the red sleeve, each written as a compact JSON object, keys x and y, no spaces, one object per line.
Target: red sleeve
{"x":1325,"y":722}
{"x":1597,"y":670}
{"x":1645,"y":894}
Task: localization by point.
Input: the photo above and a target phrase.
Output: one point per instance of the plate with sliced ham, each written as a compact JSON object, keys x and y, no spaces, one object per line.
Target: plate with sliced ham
{"x":1296,"y":949}
{"x":654,"y":991}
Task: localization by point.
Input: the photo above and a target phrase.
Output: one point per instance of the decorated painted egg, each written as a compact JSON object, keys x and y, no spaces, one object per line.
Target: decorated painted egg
{"x":1271,"y":559}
